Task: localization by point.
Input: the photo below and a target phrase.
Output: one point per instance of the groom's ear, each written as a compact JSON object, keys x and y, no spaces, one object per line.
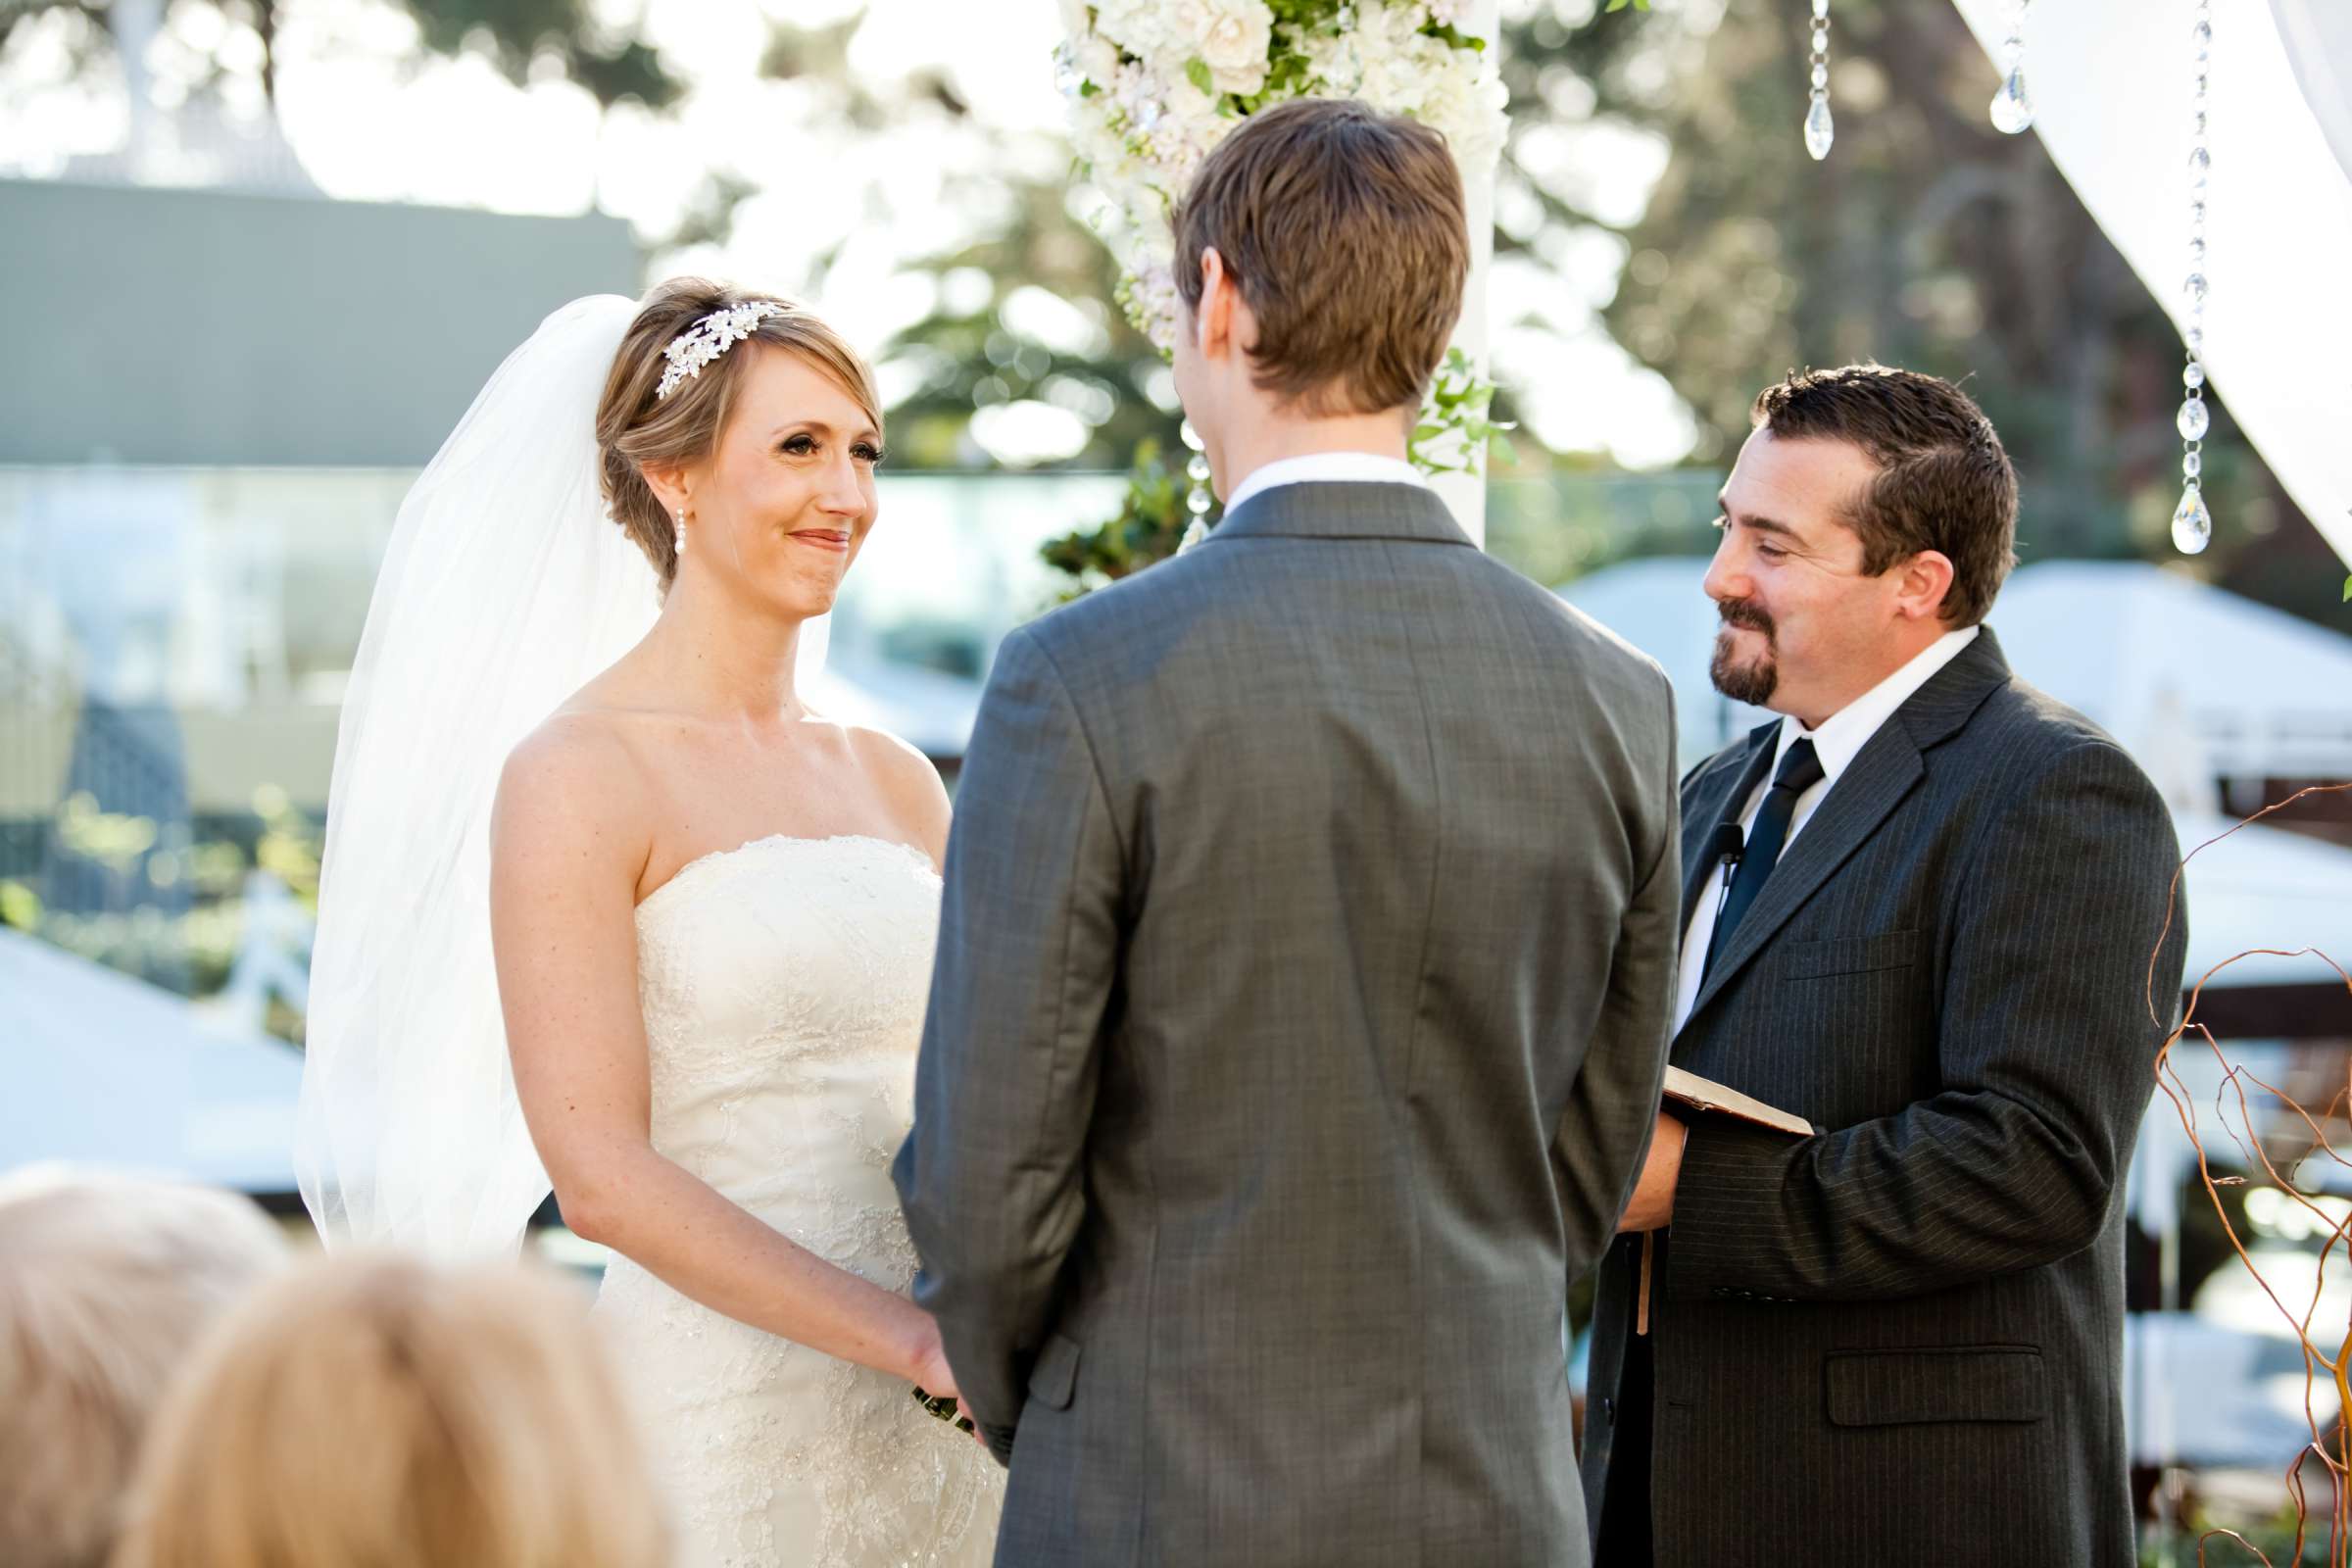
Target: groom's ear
{"x":1212,"y":320}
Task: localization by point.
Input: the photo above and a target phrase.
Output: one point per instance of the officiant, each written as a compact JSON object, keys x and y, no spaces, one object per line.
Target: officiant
{"x":1918,"y":913}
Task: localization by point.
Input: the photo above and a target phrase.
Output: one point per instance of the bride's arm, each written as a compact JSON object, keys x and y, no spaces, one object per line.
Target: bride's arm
{"x":568,"y":842}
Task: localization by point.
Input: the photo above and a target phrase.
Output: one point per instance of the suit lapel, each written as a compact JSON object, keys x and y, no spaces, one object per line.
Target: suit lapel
{"x":1887,"y":769}
{"x":1711,"y":801}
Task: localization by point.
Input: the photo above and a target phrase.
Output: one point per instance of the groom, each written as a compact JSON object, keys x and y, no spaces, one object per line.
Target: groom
{"x":1302,"y":987}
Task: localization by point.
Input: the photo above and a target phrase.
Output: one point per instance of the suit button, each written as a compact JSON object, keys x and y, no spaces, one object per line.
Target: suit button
{"x":1608,"y":1410}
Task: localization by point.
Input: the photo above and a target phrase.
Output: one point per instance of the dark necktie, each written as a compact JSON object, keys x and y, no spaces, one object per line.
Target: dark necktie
{"x":1799,"y":771}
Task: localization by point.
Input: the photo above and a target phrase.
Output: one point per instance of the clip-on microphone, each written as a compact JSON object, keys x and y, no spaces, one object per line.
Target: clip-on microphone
{"x":1726,"y":845}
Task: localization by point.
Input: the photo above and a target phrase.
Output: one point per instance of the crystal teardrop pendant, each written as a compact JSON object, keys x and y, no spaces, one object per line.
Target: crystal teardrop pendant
{"x":1820,"y":129}
{"x":2193,"y":421}
{"x":2012,"y":110}
{"x":2192,"y":525}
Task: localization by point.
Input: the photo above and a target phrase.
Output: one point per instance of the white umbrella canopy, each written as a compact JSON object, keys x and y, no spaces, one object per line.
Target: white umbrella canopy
{"x":2161,"y":661}
{"x":2110,"y":82}
{"x":2263,"y":887}
{"x":102,"y":1070}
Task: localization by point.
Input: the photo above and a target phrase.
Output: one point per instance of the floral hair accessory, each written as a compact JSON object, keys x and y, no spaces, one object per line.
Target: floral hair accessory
{"x":710,"y":337}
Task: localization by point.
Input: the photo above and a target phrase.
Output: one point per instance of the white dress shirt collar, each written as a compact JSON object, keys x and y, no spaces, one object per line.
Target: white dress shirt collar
{"x":1845,"y":733}
{"x":1838,"y":742}
{"x":1355,"y":468}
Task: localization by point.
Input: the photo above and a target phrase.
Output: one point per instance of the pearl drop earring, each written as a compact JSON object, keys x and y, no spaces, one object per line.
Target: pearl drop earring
{"x":682,"y":549}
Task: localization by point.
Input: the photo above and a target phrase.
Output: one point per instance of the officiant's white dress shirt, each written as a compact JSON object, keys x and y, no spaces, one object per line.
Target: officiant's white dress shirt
{"x":1838,"y":742}
{"x":1348,"y":467}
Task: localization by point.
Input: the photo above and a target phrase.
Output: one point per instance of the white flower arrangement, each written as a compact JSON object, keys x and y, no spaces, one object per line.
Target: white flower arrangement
{"x":1153,"y":84}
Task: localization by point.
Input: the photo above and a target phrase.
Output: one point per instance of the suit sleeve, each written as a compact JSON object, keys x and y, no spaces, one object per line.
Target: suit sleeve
{"x":990,"y":1177}
{"x":1604,"y":1136}
{"x":2047,"y":1057}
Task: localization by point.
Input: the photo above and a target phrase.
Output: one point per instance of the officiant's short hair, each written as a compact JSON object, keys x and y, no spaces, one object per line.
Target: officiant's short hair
{"x":1345,"y":229}
{"x":1944,"y":483}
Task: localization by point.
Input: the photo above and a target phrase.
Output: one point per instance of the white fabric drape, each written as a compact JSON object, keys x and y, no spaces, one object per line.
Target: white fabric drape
{"x":2111,"y":82}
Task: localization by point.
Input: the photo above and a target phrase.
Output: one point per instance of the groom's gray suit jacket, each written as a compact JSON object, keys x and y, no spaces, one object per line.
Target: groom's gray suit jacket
{"x":1298,"y":1021}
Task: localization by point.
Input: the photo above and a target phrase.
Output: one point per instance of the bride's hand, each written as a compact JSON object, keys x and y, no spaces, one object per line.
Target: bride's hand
{"x":932,"y":1374}
{"x":928,"y":1367}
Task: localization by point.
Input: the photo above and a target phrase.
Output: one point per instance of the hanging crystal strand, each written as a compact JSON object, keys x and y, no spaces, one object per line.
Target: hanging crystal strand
{"x":1820,"y":129}
{"x":2012,"y":110}
{"x":1196,"y":500}
{"x":2192,"y":525}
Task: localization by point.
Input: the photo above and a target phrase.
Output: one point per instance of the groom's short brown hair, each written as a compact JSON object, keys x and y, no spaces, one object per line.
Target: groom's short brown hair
{"x":1344,"y":230}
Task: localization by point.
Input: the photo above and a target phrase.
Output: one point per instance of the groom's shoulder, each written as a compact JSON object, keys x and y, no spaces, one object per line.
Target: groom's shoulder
{"x":1175,"y":590}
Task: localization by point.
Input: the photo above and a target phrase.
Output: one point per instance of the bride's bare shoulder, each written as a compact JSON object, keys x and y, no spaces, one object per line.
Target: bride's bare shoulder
{"x":908,"y":781}
{"x":579,"y":778}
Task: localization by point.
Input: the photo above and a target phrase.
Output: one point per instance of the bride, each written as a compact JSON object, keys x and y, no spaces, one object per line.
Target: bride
{"x":711,"y":910}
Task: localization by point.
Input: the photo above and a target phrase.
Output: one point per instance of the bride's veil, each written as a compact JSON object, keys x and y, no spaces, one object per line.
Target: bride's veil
{"x":505,"y":587}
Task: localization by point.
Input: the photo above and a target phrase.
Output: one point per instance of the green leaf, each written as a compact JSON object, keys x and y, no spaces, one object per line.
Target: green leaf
{"x":1196,"y":72}
{"x":2348,"y":590}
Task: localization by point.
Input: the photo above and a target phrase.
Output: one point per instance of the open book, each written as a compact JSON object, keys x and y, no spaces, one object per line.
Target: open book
{"x":1705,"y":1094}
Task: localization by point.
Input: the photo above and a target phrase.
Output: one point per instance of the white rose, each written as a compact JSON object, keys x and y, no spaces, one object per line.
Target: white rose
{"x":1097,"y":59}
{"x":1133,"y":24}
{"x":1230,"y":37}
{"x":1332,"y":59}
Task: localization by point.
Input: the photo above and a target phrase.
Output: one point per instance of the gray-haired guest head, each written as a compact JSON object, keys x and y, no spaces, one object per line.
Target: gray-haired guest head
{"x":106,"y":1282}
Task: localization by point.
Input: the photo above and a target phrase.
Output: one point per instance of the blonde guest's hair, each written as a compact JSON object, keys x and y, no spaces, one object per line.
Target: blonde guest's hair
{"x":105,"y":1281}
{"x":634,"y":426}
{"x":375,"y":1411}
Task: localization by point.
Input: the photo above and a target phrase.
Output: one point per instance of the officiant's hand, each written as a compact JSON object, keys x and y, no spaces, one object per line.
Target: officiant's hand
{"x":1653,"y":1195}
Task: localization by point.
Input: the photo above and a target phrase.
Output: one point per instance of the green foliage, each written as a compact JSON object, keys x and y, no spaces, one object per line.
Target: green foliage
{"x":1151,"y":523}
{"x":1620,"y":5}
{"x":968,"y":354}
{"x":2202,"y":1542}
{"x":196,"y":948}
{"x":1456,"y":428}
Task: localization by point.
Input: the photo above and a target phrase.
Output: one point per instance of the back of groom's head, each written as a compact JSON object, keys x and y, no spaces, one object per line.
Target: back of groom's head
{"x":1345,"y":229}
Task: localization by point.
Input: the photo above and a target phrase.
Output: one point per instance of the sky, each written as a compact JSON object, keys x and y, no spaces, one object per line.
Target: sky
{"x":370,"y":122}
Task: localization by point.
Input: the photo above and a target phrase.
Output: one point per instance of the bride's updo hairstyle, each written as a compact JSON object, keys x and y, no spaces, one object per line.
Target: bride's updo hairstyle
{"x":634,"y":426}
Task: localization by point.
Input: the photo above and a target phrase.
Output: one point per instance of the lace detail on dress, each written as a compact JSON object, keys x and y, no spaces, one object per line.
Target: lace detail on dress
{"x":783,"y":984}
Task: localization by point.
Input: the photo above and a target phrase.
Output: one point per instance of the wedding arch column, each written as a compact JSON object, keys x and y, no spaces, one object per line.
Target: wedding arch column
{"x":1465,"y":494}
{"x":1152,"y":88}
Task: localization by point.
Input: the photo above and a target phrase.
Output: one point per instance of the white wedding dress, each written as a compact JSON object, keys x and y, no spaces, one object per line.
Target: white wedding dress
{"x":783,"y":984}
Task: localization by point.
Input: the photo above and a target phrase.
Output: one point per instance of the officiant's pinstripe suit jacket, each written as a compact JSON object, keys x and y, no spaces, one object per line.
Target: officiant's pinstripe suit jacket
{"x":1298,"y":1027}
{"x":1901,"y":1342}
